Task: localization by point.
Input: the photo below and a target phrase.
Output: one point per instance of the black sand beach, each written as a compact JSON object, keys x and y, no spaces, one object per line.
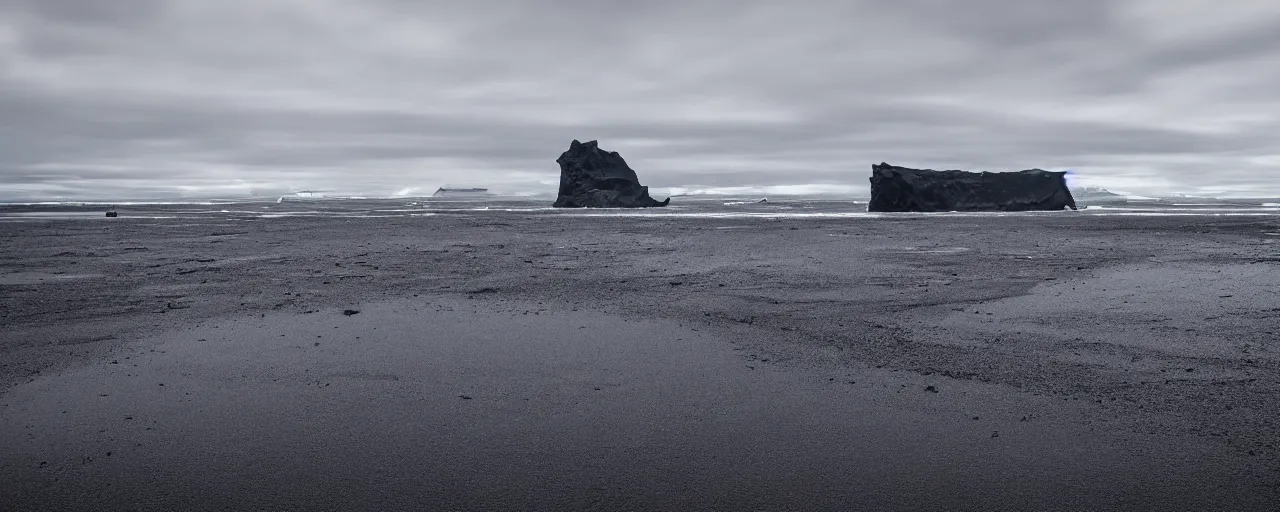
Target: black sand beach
{"x":509,"y":360}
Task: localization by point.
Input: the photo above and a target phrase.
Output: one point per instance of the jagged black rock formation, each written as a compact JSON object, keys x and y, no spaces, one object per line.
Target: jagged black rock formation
{"x":900,"y":189}
{"x":593,"y":178}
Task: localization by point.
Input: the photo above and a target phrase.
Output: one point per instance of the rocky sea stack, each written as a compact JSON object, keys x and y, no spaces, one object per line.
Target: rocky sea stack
{"x":901,"y":189}
{"x":593,"y":178}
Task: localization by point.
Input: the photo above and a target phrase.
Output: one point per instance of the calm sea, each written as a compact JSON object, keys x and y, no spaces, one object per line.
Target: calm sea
{"x":719,"y":207}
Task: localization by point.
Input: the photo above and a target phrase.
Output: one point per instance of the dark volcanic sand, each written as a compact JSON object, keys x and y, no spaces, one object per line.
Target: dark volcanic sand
{"x":1029,"y":362}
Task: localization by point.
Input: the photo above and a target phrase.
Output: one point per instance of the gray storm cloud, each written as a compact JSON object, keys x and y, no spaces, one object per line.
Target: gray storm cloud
{"x":162,"y":98}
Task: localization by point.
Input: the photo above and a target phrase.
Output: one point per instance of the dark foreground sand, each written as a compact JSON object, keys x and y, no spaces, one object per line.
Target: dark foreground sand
{"x":507,"y":361}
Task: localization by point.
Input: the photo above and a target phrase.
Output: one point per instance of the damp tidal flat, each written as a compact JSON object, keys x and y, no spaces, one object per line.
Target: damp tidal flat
{"x":516,"y":360}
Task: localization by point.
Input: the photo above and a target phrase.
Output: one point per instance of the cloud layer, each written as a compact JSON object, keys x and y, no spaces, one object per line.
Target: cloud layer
{"x":161,"y":98}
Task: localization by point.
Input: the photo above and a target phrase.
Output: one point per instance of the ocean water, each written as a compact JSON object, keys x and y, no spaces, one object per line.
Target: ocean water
{"x":719,"y":207}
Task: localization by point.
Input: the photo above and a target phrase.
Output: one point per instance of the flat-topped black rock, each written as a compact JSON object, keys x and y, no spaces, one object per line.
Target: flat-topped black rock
{"x":593,"y":178}
{"x":901,"y":189}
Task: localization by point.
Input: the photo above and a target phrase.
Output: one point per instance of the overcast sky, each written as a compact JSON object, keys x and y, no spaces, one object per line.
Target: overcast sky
{"x":150,"y":98}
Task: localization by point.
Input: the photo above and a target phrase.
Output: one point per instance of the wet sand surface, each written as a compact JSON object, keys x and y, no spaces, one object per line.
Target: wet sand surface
{"x":509,"y":361}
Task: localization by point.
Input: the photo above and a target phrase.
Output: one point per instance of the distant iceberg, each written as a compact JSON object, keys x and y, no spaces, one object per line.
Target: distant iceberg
{"x":461,"y":193}
{"x":1095,"y":195}
{"x":302,"y":194}
{"x":755,"y":201}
